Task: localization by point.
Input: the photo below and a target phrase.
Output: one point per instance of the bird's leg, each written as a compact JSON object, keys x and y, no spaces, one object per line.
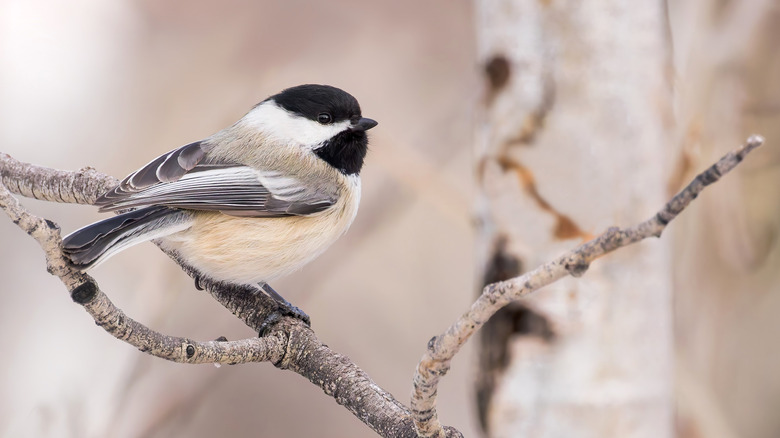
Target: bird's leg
{"x":284,"y":309}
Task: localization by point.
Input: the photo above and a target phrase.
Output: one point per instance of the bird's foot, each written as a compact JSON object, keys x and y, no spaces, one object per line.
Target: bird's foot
{"x":290,"y":310}
{"x":269,"y":322}
{"x":284,"y":308}
{"x":281,"y":312}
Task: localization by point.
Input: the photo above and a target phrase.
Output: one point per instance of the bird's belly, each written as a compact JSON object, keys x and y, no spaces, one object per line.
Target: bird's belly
{"x":253,"y":250}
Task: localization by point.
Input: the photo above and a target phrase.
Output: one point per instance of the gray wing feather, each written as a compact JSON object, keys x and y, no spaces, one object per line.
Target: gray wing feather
{"x":179,"y":179}
{"x":165,"y":168}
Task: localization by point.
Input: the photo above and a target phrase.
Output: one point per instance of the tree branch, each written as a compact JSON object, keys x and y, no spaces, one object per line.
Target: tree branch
{"x":289,"y":344}
{"x":435,"y":363}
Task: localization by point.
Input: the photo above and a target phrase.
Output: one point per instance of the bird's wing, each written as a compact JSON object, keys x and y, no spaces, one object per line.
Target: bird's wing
{"x":181,"y":179}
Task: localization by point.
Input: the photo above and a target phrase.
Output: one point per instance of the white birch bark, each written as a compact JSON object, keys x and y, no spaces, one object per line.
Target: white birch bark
{"x":574,"y":138}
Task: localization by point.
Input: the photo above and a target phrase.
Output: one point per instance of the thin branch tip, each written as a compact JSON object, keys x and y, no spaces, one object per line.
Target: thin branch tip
{"x":755,"y":140}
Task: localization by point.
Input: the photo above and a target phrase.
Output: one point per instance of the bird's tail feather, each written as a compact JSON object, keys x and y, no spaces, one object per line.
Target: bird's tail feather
{"x":93,"y":244}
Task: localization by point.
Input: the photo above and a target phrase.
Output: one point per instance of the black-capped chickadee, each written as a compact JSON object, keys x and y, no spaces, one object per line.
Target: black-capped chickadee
{"x":250,"y":203}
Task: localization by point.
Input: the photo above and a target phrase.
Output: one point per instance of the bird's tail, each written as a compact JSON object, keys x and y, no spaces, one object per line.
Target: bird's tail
{"x":93,"y":244}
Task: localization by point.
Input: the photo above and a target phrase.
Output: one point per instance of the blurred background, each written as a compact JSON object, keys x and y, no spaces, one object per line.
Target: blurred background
{"x":113,"y":84}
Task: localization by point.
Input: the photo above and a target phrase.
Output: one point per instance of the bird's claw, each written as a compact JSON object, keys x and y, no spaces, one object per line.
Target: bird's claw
{"x":290,"y":310}
{"x":280,"y":312}
{"x":269,"y":322}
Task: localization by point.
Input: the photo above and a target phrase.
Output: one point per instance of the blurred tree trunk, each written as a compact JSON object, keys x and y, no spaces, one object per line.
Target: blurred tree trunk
{"x":575,"y":137}
{"x":726,"y":252}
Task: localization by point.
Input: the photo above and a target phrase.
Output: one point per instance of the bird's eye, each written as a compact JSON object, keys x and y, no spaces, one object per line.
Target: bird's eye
{"x":324,"y":118}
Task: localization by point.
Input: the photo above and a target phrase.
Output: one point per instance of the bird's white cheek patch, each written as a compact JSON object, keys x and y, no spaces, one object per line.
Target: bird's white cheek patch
{"x":282,"y":126}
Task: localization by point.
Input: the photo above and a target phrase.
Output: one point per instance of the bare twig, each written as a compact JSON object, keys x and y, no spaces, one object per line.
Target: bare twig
{"x":80,"y":187}
{"x":441,"y":349}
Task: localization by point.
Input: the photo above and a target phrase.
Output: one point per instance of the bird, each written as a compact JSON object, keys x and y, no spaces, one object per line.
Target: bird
{"x":249,"y":204}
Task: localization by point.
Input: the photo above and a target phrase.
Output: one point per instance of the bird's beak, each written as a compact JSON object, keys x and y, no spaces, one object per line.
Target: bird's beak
{"x":363,"y":124}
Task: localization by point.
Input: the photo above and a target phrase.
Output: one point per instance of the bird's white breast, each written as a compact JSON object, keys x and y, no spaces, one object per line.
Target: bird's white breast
{"x":253,"y":250}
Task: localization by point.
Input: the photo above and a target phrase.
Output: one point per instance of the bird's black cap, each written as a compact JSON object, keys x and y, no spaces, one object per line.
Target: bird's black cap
{"x":312,"y":100}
